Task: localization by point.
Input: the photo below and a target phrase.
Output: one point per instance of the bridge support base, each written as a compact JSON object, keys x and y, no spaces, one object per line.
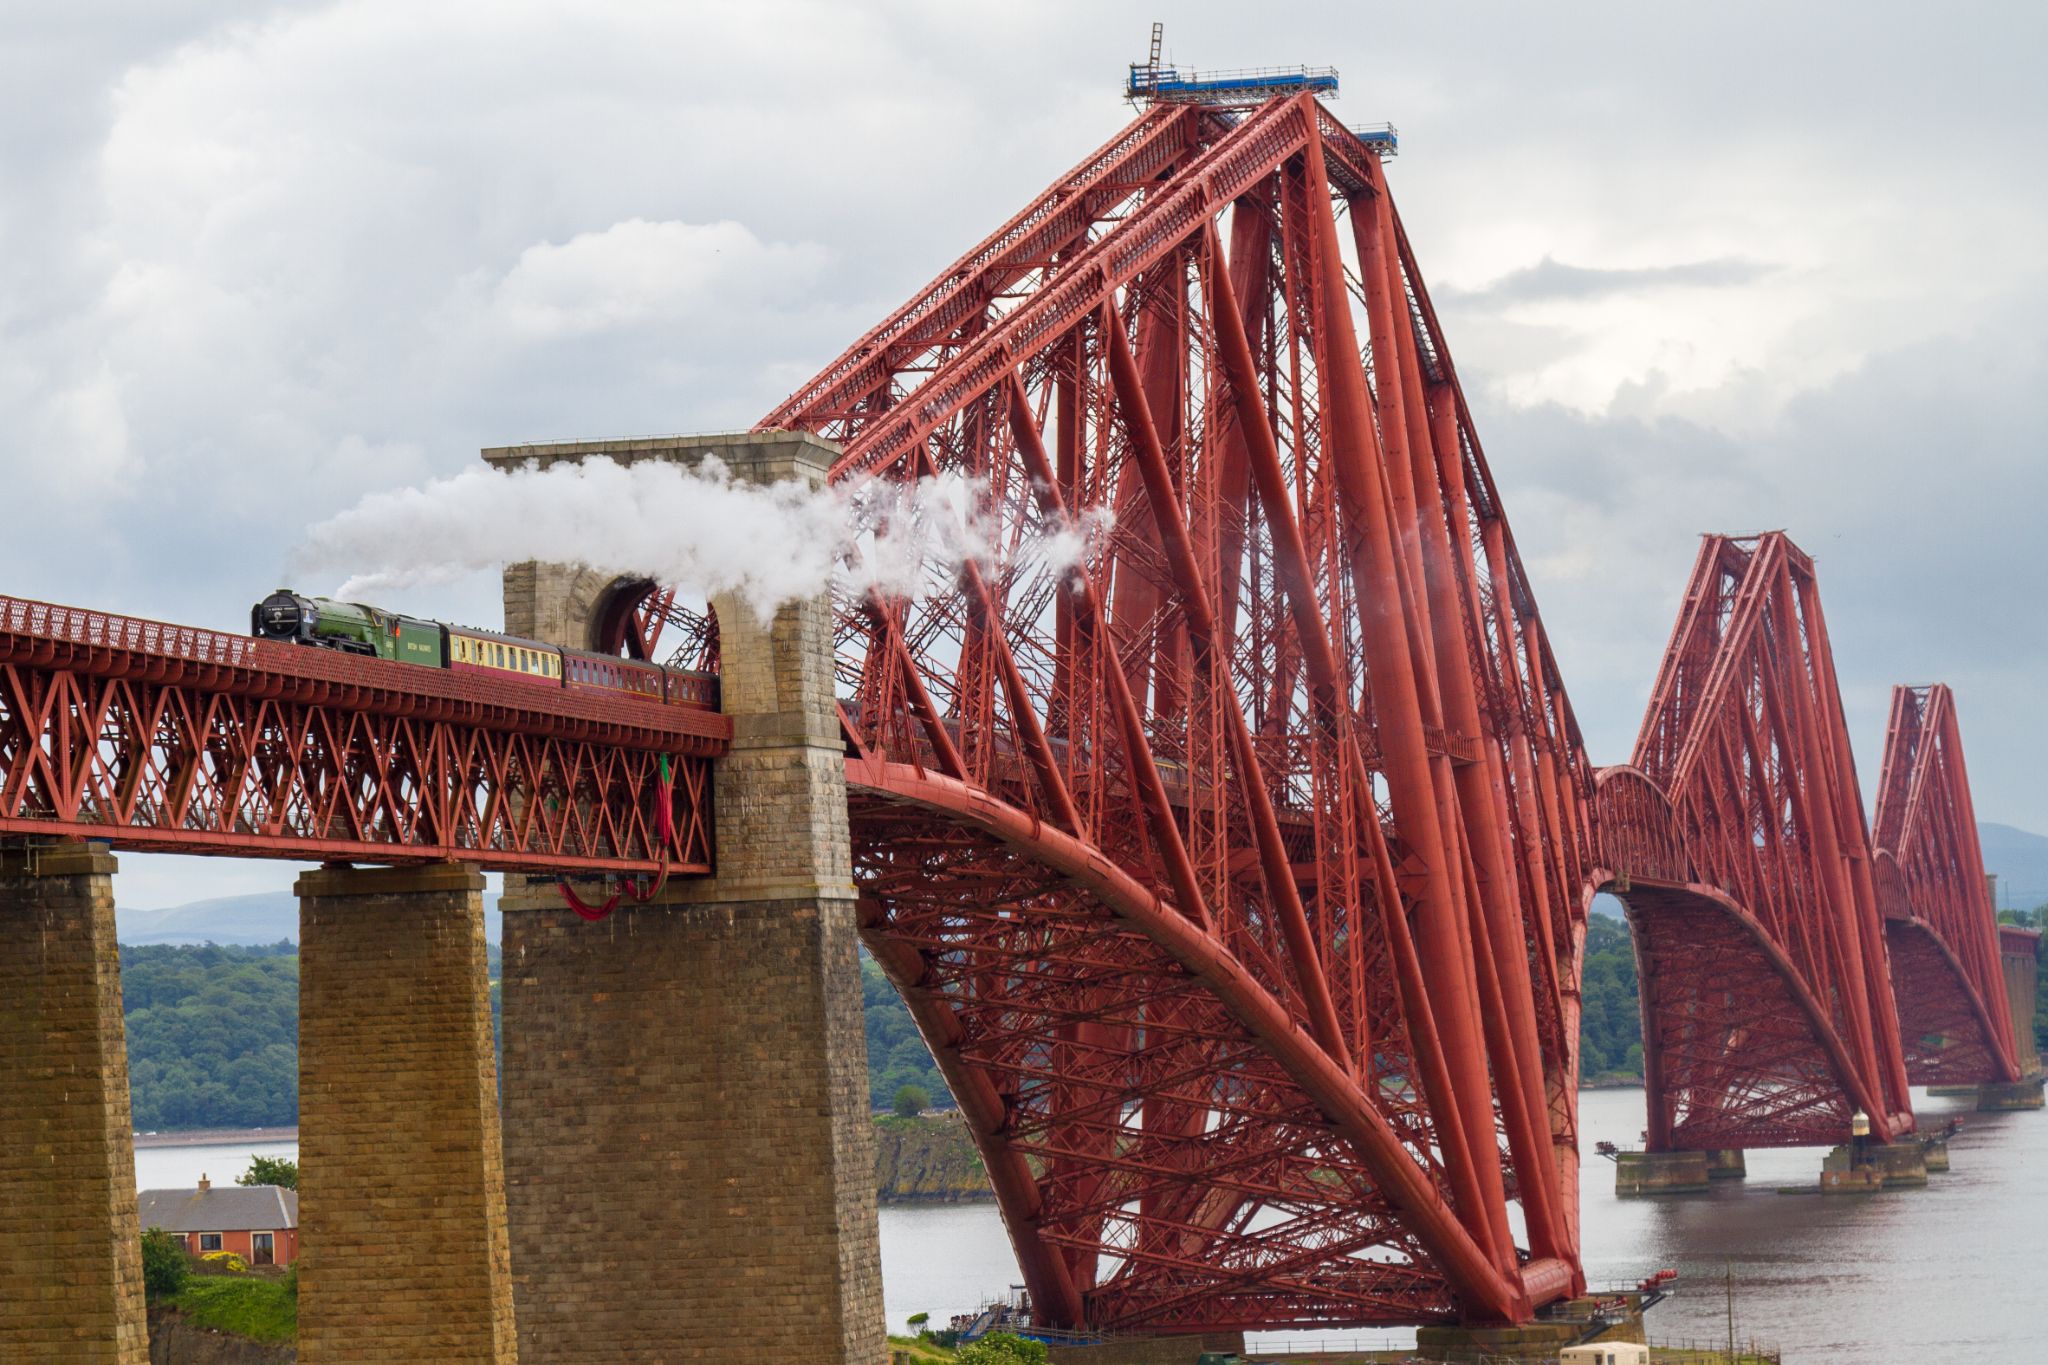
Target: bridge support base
{"x":1862,"y":1167}
{"x":1727,"y":1163}
{"x":688,"y":1134}
{"x":70,"y":1255}
{"x":2004,"y":1098}
{"x":401,"y":1173}
{"x":1637,"y":1173}
{"x":1540,"y":1340}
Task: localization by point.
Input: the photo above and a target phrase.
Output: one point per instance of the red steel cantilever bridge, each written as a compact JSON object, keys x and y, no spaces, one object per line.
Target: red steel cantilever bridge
{"x":1238,"y":876}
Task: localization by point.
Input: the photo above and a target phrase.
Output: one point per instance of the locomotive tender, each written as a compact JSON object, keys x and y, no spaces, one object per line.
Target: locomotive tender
{"x":354,"y":628}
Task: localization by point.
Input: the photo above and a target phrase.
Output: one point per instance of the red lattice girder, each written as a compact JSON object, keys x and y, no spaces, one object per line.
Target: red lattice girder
{"x":1941,"y":922}
{"x":1744,"y":734}
{"x":169,"y":739}
{"x":1234,"y":875}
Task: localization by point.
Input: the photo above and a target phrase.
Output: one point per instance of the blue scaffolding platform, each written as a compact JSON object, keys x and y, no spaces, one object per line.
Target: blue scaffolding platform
{"x":1153,"y":84}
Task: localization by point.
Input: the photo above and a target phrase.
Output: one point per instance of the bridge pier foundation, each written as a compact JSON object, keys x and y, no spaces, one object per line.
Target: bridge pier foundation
{"x":688,"y":1136}
{"x":70,"y":1253}
{"x":1727,"y":1163}
{"x":401,"y":1173}
{"x":2005,"y":1098}
{"x":1638,"y":1173}
{"x":1572,"y":1321}
{"x":1861,"y":1167}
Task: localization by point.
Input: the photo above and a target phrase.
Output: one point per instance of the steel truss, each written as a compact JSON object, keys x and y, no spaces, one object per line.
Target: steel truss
{"x":1233,"y":875}
{"x":1768,"y":1013}
{"x":170,"y":739}
{"x":1939,"y":919}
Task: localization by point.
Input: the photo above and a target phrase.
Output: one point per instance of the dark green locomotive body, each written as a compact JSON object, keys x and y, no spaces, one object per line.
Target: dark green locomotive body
{"x":351,"y":628}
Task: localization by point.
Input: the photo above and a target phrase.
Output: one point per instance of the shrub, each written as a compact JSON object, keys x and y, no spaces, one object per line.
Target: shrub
{"x":281,"y":1171}
{"x":911,"y":1100}
{"x":226,"y":1260}
{"x":1000,"y":1348}
{"x":164,"y":1266}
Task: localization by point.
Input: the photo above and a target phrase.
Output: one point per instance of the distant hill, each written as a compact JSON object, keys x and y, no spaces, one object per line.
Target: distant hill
{"x":2020,"y":861}
{"x":264,"y":918}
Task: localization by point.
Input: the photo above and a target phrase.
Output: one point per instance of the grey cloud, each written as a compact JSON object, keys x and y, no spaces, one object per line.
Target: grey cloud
{"x":266,"y":241}
{"x":1550,"y":279}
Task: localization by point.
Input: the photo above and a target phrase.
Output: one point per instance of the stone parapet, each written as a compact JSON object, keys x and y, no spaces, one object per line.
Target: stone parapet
{"x":401,"y":1174}
{"x":70,"y":1253}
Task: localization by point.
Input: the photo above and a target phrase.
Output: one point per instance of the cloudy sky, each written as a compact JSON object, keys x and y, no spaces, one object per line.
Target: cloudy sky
{"x":1707,"y":267}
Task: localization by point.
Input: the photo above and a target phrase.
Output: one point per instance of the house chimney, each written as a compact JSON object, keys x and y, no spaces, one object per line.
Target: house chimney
{"x":204,"y":1183}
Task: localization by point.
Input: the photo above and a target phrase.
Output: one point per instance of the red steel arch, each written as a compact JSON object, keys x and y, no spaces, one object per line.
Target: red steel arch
{"x":1233,"y":872}
{"x":1737,"y":1049}
{"x":1939,"y":920}
{"x":1768,"y":1013}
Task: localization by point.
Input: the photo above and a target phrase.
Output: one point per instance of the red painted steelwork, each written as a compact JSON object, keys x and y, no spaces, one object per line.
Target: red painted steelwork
{"x":171,"y":739}
{"x":1939,"y":917}
{"x":1234,"y":875}
{"x":1744,"y":735}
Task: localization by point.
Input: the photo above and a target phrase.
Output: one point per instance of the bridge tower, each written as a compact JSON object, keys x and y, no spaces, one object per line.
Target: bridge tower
{"x":1736,"y":840}
{"x":687,"y":1132}
{"x":1964,"y":987}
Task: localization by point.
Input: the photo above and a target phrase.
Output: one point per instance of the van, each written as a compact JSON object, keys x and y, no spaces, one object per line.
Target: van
{"x":1605,"y":1353}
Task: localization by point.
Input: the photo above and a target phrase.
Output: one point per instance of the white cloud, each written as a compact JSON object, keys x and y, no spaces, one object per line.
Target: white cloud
{"x":635,"y":272}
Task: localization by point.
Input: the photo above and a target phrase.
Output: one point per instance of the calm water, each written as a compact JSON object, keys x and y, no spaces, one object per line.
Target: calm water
{"x":1949,"y":1273}
{"x":1952,"y":1272}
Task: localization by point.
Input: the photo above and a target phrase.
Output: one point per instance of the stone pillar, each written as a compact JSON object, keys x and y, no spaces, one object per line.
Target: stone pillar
{"x":401,"y":1175}
{"x":689,"y":1148}
{"x":70,"y":1248}
{"x":1660,"y":1173}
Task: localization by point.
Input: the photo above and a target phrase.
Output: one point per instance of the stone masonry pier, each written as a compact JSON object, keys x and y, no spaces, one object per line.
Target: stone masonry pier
{"x":686,"y":1116}
{"x":70,"y":1256}
{"x":401,"y":1177}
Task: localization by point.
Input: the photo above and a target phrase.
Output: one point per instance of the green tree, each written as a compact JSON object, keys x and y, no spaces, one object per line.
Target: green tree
{"x":1610,"y":1017}
{"x":164,"y":1264}
{"x":1000,"y":1348}
{"x":911,"y":1100}
{"x":897,"y":1055}
{"x":270,"y":1170}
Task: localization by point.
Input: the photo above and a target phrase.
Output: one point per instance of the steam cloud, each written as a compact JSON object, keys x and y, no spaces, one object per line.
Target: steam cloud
{"x":697,"y":529}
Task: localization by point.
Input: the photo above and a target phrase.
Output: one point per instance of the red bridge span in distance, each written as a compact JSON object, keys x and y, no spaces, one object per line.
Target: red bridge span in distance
{"x":1238,"y":878}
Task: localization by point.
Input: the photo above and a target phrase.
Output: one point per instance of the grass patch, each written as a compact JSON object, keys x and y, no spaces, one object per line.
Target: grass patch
{"x":260,"y":1309}
{"x":921,"y":1350}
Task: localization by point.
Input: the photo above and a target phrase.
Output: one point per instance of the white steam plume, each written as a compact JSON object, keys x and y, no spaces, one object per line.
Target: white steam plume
{"x":697,"y":529}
